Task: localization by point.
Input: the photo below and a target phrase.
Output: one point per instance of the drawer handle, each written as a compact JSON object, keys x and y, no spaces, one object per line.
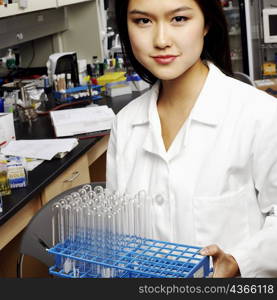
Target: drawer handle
{"x":74,"y":176}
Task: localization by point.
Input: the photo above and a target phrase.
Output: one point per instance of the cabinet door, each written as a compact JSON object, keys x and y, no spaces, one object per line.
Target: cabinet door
{"x":76,"y":174}
{"x":68,"y":2}
{"x":18,"y":222}
{"x":33,"y":5}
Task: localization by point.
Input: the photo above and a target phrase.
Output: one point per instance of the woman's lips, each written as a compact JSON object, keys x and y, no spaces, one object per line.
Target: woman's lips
{"x":164,"y":60}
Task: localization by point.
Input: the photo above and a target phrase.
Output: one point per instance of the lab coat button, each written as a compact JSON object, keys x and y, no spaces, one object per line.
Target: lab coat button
{"x":159,"y":199}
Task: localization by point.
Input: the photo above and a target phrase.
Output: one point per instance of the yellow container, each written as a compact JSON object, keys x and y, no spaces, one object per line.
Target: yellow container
{"x":4,"y":182}
{"x":269,"y":68}
{"x":110,"y":77}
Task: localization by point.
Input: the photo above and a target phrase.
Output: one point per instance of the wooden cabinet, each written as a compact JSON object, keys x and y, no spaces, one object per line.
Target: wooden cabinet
{"x":79,"y":172}
{"x":18,"y":222}
{"x":76,"y":174}
{"x":10,"y":232}
{"x":33,"y":5}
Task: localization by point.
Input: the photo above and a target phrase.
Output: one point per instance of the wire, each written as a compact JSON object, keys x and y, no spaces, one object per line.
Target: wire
{"x":62,"y":106}
{"x":33,"y":55}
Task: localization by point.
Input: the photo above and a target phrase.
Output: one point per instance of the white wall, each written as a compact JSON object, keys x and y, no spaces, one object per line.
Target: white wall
{"x":82,"y":35}
{"x":268,"y":3}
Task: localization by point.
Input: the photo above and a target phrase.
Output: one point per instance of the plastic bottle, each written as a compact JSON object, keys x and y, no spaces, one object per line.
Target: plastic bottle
{"x":69,"y":83}
{"x":8,"y":103}
{"x":1,"y":105}
{"x":96,"y":69}
{"x":55,"y":82}
{"x":106,"y":65}
{"x":1,"y":102}
{"x":82,"y":68}
{"x":10,"y":59}
{"x":4,"y":183}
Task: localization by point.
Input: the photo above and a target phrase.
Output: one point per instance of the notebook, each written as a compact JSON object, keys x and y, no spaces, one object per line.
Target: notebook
{"x":76,"y":121}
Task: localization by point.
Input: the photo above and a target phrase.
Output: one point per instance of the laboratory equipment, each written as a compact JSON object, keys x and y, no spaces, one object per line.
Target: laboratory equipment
{"x":79,"y":93}
{"x":64,"y":62}
{"x":5,"y":188}
{"x":105,"y":234}
{"x":270,"y":25}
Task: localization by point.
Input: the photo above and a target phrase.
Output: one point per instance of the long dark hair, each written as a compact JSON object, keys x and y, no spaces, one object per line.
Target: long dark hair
{"x":216,"y":42}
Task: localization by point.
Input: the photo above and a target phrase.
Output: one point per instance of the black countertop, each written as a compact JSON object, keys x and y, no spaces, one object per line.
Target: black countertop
{"x":45,"y":173}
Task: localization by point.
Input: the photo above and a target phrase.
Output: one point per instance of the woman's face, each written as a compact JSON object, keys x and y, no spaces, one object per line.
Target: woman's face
{"x":166,"y":36}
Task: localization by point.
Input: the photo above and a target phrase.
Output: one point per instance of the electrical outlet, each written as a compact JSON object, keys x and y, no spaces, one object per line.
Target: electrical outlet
{"x":40,"y":18}
{"x":23,"y":3}
{"x":19,"y":36}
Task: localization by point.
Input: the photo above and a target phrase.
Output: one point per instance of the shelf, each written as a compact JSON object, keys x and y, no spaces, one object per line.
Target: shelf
{"x":269,"y":46}
{"x":69,"y":2}
{"x":236,"y":58}
{"x":274,"y":76}
{"x":33,"y":5}
{"x":230,"y":9}
{"x":234,"y":33}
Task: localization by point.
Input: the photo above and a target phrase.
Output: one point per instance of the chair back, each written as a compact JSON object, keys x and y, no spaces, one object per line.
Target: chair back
{"x":244,"y":78}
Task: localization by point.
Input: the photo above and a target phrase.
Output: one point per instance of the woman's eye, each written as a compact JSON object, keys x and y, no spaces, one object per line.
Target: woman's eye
{"x":180,"y":19}
{"x":142,"y":21}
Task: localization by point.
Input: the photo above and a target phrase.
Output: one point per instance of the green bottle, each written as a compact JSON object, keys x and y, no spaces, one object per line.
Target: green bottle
{"x":10,"y":60}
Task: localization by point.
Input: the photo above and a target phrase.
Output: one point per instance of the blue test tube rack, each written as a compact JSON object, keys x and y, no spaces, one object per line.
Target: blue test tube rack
{"x":135,"y":258}
{"x":66,"y":96}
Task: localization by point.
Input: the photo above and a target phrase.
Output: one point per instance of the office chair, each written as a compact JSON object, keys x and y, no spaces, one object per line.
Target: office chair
{"x":37,"y":236}
{"x":244,"y":78}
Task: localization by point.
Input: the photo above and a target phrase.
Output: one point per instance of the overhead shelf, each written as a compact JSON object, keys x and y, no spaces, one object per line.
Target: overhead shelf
{"x":13,"y":9}
{"x":33,"y":5}
{"x":69,"y":2}
{"x":231,"y":9}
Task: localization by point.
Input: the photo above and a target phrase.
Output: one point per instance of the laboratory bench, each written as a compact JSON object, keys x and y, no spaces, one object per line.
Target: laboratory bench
{"x":52,"y":177}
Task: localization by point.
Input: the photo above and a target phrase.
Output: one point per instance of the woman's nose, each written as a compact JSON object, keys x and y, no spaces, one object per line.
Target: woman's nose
{"x":162,"y":37}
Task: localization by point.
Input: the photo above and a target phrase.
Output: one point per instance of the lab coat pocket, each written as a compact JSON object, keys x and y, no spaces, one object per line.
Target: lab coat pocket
{"x":222,"y":220}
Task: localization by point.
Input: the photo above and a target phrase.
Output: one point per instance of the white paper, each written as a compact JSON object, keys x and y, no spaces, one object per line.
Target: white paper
{"x":69,"y":122}
{"x":31,"y":165}
{"x":7,"y":132}
{"x":264,"y":82}
{"x":44,"y":149}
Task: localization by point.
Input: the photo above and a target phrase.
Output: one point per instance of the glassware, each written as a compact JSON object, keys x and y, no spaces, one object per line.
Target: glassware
{"x":102,"y":224}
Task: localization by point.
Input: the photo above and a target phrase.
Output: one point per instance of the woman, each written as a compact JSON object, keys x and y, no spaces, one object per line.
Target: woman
{"x":203,"y":140}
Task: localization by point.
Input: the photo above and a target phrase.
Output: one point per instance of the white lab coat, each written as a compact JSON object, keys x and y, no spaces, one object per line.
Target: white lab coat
{"x":219,"y":176}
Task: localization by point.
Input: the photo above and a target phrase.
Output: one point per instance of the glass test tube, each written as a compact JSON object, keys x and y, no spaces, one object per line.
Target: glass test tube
{"x":101,"y":222}
{"x":55,"y":224}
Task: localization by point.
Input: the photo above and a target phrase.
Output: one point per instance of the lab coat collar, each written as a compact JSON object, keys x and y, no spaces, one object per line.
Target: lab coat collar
{"x":144,"y":116}
{"x":208,"y":108}
{"x":211,"y":102}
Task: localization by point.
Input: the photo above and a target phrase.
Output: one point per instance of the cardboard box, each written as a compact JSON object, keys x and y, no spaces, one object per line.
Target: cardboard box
{"x":7,"y":132}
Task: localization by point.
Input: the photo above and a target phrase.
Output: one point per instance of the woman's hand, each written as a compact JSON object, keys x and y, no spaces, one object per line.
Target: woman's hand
{"x":224,"y":264}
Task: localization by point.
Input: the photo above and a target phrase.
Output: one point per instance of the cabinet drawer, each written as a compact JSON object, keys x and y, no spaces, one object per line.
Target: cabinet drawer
{"x":76,"y":174}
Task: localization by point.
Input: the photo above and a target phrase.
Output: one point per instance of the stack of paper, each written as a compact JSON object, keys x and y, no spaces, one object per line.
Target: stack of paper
{"x":70,"y":122}
{"x":44,"y":149}
{"x":118,"y":89}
